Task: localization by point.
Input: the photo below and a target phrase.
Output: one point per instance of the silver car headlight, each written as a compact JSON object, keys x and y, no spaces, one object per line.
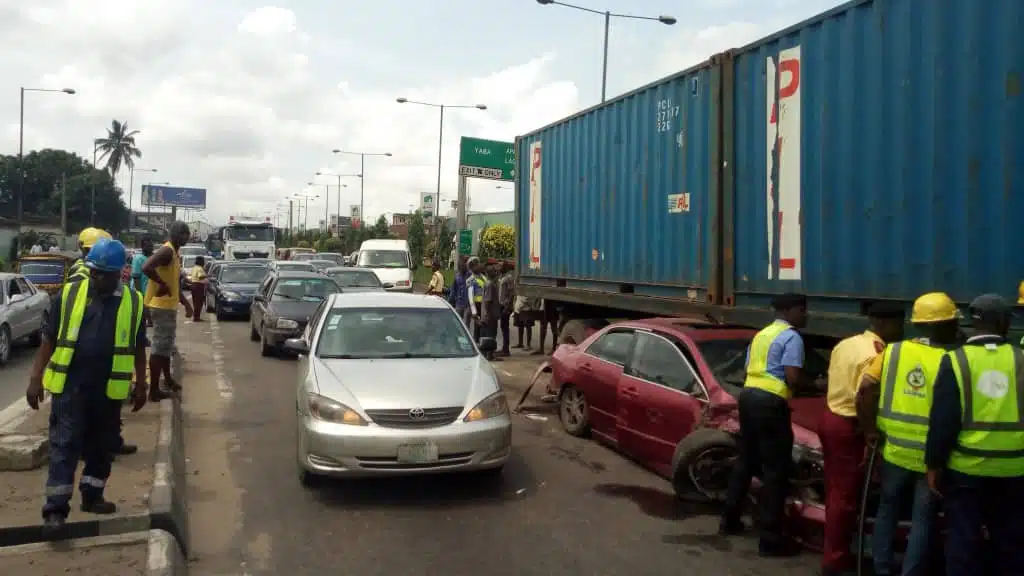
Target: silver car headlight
{"x":491,"y":407}
{"x":229,"y":295}
{"x":323,"y":408}
{"x":286,"y":324}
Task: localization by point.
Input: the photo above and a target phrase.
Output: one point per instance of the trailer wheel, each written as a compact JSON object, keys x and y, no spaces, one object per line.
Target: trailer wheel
{"x":574,"y":332}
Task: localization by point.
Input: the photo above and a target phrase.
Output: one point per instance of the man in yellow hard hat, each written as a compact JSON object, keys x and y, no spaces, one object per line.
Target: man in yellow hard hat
{"x":895,"y":398}
{"x":86,"y":240}
{"x":975,"y":446}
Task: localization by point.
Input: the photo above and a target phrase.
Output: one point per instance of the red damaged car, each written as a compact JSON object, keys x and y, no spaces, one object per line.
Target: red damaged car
{"x":663,"y":392}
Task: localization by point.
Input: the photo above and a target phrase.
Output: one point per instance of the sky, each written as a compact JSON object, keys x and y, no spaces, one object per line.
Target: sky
{"x":248,"y":99}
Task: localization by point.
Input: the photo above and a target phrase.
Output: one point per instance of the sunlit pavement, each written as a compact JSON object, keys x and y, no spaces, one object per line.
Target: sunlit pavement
{"x":565,"y":506}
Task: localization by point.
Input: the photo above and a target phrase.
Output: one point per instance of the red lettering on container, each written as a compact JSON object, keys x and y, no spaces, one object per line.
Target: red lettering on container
{"x":792,"y":67}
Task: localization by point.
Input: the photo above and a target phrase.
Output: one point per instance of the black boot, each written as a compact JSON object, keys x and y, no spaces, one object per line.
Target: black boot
{"x":126,"y":449}
{"x":53,"y":524}
{"x":98,"y":505}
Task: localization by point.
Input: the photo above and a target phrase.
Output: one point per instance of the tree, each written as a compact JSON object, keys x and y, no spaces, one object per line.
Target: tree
{"x":45,"y":172}
{"x":417,"y":237}
{"x":380,"y":229}
{"x":497,"y":241}
{"x":118,"y":149}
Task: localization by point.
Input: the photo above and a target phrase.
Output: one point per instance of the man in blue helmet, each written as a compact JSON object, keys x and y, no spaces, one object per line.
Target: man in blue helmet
{"x":93,"y":341}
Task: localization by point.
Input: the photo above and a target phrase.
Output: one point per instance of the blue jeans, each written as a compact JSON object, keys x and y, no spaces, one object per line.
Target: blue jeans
{"x":897,"y":484}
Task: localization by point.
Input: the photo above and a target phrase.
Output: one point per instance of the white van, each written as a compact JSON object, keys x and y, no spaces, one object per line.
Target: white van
{"x":390,"y":260}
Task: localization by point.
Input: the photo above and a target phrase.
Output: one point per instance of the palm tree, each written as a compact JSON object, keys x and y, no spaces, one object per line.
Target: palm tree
{"x":118,"y":148}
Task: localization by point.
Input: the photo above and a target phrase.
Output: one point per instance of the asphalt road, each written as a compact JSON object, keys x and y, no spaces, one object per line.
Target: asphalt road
{"x":565,"y":506}
{"x":14,"y":376}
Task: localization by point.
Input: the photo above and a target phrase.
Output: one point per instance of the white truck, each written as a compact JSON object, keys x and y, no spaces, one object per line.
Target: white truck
{"x":243,"y":239}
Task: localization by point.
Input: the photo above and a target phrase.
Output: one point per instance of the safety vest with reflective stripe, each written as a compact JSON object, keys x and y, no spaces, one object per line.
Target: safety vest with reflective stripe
{"x":991,"y":382}
{"x":74,"y":298}
{"x":478,"y":294}
{"x":78,"y":270}
{"x":908,"y":376}
{"x":757,"y":367}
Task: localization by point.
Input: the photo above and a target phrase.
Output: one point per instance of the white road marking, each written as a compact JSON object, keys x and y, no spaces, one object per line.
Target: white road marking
{"x":224,"y":387}
{"x":12,"y":416}
{"x":505,"y":372}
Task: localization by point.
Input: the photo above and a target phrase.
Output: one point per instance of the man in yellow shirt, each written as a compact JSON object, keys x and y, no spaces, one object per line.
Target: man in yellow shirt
{"x":841,"y":442}
{"x":436,"y":287}
{"x":163,"y":296}
{"x":895,"y":395}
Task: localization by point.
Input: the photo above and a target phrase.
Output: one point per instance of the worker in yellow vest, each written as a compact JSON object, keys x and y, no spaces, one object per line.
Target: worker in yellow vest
{"x":93,"y":340}
{"x":895,"y":398}
{"x":975,"y":446}
{"x":775,"y":366}
{"x":162,"y":298}
{"x":86,"y":239}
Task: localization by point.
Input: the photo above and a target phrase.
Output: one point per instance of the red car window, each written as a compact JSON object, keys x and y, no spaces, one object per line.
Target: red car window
{"x":657,"y":360}
{"x":612,"y":346}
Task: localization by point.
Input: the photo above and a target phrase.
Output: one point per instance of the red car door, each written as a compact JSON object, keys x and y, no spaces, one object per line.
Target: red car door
{"x":661,"y":401}
{"x":599,"y":367}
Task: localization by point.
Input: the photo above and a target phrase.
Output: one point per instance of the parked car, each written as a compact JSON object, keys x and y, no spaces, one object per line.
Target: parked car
{"x":290,"y":266}
{"x":355,"y":279}
{"x":282,"y":306}
{"x":322,"y":265}
{"x":663,"y":392}
{"x":23,"y":310}
{"x":304,"y":256}
{"x":231,"y":291}
{"x":363,"y":408}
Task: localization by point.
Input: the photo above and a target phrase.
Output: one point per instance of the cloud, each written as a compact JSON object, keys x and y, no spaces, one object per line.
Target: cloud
{"x":235,"y":104}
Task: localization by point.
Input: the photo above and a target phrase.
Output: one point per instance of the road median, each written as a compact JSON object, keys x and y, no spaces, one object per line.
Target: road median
{"x":152,"y":553}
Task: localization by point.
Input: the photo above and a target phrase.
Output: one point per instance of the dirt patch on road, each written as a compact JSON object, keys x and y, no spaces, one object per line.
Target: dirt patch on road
{"x":21,"y":492}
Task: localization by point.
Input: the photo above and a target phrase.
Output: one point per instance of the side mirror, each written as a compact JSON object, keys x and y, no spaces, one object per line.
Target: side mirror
{"x":17,"y":298}
{"x":296,"y":345}
{"x":488,"y":344}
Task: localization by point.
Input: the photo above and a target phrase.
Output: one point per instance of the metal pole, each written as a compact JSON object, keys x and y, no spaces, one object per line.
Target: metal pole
{"x":305,"y":215}
{"x":327,"y":203}
{"x":604,"y":67}
{"x":64,"y":204}
{"x":21,"y":162}
{"x":92,"y":189}
{"x":131,"y":196}
{"x":362,"y":190}
{"x":440,"y":148}
{"x":337,"y":230}
{"x":291,"y":221}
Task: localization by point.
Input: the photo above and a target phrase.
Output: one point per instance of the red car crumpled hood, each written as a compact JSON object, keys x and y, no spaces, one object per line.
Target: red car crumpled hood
{"x":806,"y":416}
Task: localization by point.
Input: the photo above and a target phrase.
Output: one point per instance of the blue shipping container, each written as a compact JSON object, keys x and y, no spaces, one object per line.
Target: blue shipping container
{"x":893,"y":162}
{"x":624,"y":193}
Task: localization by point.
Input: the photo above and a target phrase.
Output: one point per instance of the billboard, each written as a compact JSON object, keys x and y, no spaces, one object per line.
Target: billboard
{"x":428,"y":204}
{"x":161,"y":195}
{"x":356,"y":217}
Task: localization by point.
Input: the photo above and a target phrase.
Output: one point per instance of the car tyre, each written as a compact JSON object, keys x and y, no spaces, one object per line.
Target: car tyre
{"x":218,"y":312}
{"x":702,"y":464}
{"x":211,"y":304}
{"x":573,"y":411}
{"x":5,"y":344}
{"x":307,"y":479}
{"x":254,"y":336}
{"x":265,"y":348}
{"x":36,"y":338}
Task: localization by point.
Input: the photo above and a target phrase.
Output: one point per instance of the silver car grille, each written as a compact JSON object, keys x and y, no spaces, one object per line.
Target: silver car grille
{"x":415,"y":417}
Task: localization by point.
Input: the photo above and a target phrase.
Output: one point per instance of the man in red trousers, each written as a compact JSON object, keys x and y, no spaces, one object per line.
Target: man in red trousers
{"x":842,"y":441}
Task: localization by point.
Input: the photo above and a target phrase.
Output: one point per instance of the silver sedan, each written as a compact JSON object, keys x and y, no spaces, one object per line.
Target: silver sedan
{"x":393,"y":384}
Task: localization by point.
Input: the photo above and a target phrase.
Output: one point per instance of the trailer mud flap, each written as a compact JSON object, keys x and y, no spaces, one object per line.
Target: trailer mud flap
{"x":542,"y":369}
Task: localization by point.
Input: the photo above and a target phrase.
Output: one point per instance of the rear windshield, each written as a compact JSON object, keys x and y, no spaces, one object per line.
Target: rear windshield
{"x":383,"y":258}
{"x":356,"y":278}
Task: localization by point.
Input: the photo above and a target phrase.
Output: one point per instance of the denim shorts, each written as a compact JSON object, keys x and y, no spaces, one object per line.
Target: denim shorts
{"x":165,"y":327}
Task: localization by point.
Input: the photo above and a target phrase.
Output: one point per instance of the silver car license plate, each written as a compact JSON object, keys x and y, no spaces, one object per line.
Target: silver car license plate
{"x":420,"y":453}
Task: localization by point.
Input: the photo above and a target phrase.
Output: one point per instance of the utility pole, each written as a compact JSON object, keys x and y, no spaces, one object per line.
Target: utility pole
{"x":64,"y":204}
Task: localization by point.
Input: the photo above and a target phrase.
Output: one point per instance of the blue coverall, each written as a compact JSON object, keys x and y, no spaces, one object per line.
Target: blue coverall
{"x":83,"y":421}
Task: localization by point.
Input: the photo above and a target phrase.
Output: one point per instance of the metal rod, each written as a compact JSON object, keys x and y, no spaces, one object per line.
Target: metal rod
{"x":92,"y":189}
{"x":337,"y":230}
{"x":604,"y":65}
{"x":21,"y":161}
{"x":131,"y":196}
{"x":362,"y":188}
{"x":327,"y":204}
{"x":440,"y":149}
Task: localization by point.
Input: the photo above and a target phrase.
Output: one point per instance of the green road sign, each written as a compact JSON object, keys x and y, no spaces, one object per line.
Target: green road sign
{"x":489,"y":159}
{"x":465,"y":242}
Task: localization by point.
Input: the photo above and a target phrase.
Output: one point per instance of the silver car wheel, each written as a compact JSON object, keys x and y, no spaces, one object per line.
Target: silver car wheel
{"x":5,"y":344}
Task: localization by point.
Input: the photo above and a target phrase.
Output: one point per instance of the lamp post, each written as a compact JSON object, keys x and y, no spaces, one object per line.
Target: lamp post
{"x":362,"y":177}
{"x":92,"y":180}
{"x":305,"y":207}
{"x":667,"y":20}
{"x":440,"y":135}
{"x":340,"y":186}
{"x":131,"y":191}
{"x":21,"y":147}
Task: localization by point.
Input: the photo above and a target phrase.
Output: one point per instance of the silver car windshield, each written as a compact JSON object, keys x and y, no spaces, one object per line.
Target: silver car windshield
{"x":393,"y":333}
{"x":304,"y":289}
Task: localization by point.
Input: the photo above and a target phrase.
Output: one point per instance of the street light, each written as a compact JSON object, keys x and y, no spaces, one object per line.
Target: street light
{"x":131,"y":190}
{"x":361,"y":175}
{"x":340,"y":185}
{"x":440,"y":136}
{"x":305,"y":209}
{"x":21,"y":146}
{"x":667,"y":20}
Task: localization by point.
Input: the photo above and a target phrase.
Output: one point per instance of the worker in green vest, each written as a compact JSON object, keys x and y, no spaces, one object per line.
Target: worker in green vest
{"x":975,"y":446}
{"x":895,"y":398}
{"x":775,"y":367}
{"x":93,"y":339}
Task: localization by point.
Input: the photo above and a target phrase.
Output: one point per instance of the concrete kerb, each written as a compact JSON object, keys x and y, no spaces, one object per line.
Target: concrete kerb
{"x":168,"y":509}
{"x":164,"y":558}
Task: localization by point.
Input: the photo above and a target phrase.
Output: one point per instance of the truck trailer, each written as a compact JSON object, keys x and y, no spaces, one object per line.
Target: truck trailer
{"x":874,"y":152}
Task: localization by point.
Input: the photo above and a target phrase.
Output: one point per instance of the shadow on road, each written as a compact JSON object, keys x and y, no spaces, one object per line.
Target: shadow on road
{"x":433,"y":491}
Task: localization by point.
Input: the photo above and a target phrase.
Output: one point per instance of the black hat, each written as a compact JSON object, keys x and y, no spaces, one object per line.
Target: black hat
{"x":788,"y":301}
{"x":886,"y":309}
{"x":990,"y":306}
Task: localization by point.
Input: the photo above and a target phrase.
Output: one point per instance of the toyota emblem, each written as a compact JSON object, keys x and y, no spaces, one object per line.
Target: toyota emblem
{"x":417,"y":414}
